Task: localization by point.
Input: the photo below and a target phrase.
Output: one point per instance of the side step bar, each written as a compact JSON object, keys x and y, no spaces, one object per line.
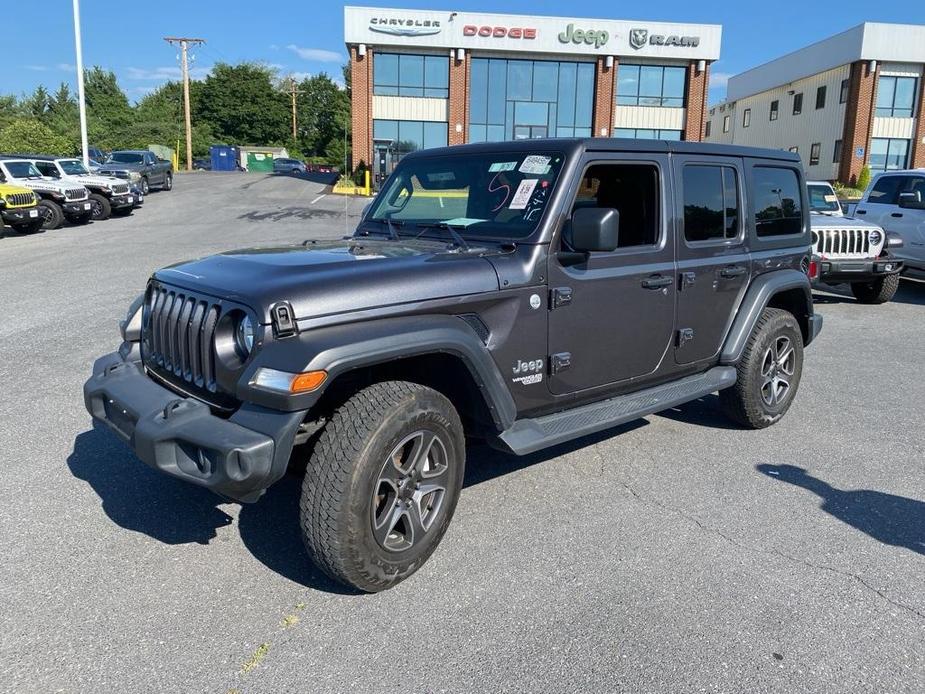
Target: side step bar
{"x":529,"y":435}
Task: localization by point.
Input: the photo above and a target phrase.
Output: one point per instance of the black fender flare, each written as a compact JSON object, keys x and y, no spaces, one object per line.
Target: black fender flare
{"x":759,"y":295}
{"x":341,"y":348}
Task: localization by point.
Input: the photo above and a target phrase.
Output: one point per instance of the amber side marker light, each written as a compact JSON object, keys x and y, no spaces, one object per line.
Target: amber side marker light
{"x":285,"y":382}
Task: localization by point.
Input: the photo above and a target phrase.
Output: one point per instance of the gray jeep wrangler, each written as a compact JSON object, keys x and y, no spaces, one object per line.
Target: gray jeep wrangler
{"x":523,"y":293}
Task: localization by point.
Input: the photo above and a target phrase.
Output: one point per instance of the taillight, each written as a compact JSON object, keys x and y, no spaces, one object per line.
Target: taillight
{"x":813,"y":270}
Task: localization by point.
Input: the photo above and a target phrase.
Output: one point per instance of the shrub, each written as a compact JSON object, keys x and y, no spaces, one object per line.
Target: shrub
{"x":864,"y":178}
{"x":29,"y":135}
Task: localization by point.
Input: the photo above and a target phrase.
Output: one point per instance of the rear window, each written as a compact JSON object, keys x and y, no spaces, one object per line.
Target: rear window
{"x":711,"y":203}
{"x":778,"y":206}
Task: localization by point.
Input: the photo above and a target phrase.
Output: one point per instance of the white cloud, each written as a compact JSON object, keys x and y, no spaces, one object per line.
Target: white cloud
{"x":164,"y":73}
{"x":317,"y":54}
{"x":66,"y":67}
{"x":719,"y":80}
{"x":299,"y":76}
{"x":36,"y":68}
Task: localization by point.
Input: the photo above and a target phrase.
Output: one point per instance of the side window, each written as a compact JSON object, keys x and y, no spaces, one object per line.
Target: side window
{"x":778,"y":206}
{"x":885,"y":191}
{"x":46,"y":169}
{"x":632,"y":190}
{"x":149,"y":159}
{"x":711,"y":202}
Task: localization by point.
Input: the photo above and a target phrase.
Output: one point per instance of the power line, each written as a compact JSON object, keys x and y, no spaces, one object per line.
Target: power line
{"x":184,"y":43}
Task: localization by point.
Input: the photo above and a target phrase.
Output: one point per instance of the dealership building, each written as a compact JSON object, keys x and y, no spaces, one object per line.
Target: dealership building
{"x":425,"y":79}
{"x":851,"y":100}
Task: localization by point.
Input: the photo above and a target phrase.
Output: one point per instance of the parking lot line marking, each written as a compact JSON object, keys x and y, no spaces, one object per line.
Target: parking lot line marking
{"x":317,"y":199}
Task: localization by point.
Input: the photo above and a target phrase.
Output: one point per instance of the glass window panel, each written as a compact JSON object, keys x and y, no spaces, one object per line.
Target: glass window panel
{"x":496,"y":133}
{"x":434,"y":135}
{"x":645,"y":134}
{"x":497,"y":77}
{"x":410,"y":136}
{"x":674,"y":84}
{"x":520,"y":80}
{"x":632,"y":189}
{"x":410,"y":91}
{"x":650,"y":81}
{"x":564,"y":131}
{"x":886,"y":89}
{"x":385,"y":91}
{"x":731,"y":201}
{"x":584,"y":95}
{"x":904,"y":97}
{"x":545,"y":80}
{"x":582,"y":132}
{"x":435,"y":93}
{"x":624,"y":132}
{"x":530,"y":113}
{"x":436,"y":72}
{"x":411,"y":70}
{"x":896,"y":154}
{"x":477,"y":133}
{"x":385,"y":130}
{"x":778,"y":205}
{"x":521,"y":132}
{"x":885,"y":190}
{"x":703,"y":203}
{"x":567,"y":81}
{"x":385,"y":69}
{"x":878,"y":153}
{"x":478,"y":91}
{"x":627,"y":84}
{"x":509,"y":118}
{"x":669,"y":135}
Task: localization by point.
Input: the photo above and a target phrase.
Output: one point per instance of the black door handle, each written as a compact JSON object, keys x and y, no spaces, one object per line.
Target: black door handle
{"x":897,"y":214}
{"x":656,"y":282}
{"x":860,"y":211}
{"x":732,"y":271}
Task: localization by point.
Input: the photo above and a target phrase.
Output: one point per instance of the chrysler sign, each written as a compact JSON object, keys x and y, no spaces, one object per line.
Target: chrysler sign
{"x":404,"y":27}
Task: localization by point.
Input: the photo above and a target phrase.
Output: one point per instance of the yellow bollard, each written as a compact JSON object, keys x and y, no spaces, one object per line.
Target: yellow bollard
{"x":366,"y":176}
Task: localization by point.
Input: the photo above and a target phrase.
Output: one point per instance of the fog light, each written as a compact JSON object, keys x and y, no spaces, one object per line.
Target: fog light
{"x":290,"y":383}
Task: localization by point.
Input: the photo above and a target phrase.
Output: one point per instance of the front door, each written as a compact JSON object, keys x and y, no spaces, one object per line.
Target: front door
{"x":612,"y":313}
{"x":713,"y":259}
{"x":882,"y":207}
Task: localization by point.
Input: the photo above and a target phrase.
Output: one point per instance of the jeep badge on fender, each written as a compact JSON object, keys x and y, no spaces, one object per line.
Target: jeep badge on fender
{"x":377,"y":357}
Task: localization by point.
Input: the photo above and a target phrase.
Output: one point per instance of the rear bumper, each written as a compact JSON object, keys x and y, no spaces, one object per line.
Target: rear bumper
{"x":20,"y":215}
{"x":838,"y":271}
{"x":238,"y":457}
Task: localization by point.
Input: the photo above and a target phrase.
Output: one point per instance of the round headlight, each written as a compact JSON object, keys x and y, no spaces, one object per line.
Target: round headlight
{"x":244,"y":334}
{"x":875,"y":238}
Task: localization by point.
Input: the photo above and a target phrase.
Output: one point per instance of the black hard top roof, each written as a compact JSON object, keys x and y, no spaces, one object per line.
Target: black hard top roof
{"x":35,"y":157}
{"x":578,"y":145}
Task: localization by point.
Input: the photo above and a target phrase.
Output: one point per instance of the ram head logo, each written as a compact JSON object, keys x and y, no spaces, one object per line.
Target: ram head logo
{"x":638,"y":37}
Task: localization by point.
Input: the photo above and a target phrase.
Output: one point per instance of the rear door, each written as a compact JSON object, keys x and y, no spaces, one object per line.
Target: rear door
{"x":713,"y":257}
{"x":612,"y":314}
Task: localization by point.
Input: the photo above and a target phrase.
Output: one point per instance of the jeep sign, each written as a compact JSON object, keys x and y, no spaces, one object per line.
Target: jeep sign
{"x":592,"y":37}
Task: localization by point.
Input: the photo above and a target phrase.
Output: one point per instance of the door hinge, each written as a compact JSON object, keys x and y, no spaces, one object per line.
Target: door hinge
{"x":284,"y":323}
{"x":685,"y":335}
{"x":688,"y":279}
{"x":560,"y":296}
{"x":560,"y":362}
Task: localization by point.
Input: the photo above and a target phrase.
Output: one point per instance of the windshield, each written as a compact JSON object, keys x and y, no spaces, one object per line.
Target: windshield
{"x":498,"y":194}
{"x":22,"y":169}
{"x":126,"y":158}
{"x":73,"y":167}
{"x":823,"y":199}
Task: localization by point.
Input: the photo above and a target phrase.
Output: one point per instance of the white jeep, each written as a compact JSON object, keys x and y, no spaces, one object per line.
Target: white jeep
{"x":58,"y":200}
{"x":108,"y":195}
{"x":851,"y":251}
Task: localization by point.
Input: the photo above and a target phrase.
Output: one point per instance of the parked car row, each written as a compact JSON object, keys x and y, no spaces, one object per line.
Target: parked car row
{"x":42,"y":191}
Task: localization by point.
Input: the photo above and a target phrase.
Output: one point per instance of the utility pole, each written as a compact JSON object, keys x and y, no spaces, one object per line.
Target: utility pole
{"x":292,"y":92}
{"x":81,"y":100}
{"x":184,"y":43}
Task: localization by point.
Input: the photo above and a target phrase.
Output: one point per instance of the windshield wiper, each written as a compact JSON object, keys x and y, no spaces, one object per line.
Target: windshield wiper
{"x":449,"y":228}
{"x":390,"y":225}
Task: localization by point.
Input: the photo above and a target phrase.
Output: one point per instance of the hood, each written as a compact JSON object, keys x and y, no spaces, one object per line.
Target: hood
{"x":333,"y":277}
{"x":54,"y":185}
{"x":120,"y":166}
{"x":100,"y":181}
{"x":824,"y":221}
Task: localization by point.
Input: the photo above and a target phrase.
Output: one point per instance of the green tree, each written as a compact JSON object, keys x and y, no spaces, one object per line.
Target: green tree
{"x":240,"y":104}
{"x":30,"y":135}
{"x":36,"y":104}
{"x":320,"y":102}
{"x":9,"y":109}
{"x":109,"y":115}
{"x":62,"y":116}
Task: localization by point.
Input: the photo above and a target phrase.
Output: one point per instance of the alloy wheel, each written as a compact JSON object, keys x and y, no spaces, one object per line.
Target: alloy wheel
{"x":777,"y":369}
{"x":410,"y":491}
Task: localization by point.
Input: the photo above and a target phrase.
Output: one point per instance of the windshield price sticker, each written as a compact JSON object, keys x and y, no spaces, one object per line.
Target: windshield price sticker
{"x":441,"y":177}
{"x":831,"y":198}
{"x":522,"y":194}
{"x":502,"y":166}
{"x":535,"y":164}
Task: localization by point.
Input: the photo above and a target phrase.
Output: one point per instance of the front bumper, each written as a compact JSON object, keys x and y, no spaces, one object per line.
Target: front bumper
{"x":19,"y":215}
{"x":838,"y":271}
{"x":119,"y":201}
{"x":76,"y":209}
{"x":238,"y":457}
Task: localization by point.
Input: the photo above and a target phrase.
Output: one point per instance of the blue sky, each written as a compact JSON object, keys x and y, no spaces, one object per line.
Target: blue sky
{"x":306,"y":37}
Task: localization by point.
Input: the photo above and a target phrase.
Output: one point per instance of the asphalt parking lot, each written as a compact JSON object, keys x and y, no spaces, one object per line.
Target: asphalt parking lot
{"x":673,"y":554}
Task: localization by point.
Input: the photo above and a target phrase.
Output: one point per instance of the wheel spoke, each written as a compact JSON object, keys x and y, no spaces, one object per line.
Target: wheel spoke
{"x":390,"y":519}
{"x":420,"y":452}
{"x":415,"y":522}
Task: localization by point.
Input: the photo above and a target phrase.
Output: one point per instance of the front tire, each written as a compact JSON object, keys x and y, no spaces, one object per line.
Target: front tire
{"x":100,"y":208}
{"x":382,"y":484}
{"x":168,"y":182}
{"x":51,"y":214}
{"x":145,"y":187}
{"x":768,"y":373}
{"x":878,"y":291}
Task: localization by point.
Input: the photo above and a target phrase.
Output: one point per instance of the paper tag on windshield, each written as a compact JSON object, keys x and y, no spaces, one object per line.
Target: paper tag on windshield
{"x":535,"y":164}
{"x":831,"y":198}
{"x":522,"y":194}
{"x":502,"y":166}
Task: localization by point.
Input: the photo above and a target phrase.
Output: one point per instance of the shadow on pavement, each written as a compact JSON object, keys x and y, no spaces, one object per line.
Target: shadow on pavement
{"x":703,"y":412}
{"x":888,"y":518}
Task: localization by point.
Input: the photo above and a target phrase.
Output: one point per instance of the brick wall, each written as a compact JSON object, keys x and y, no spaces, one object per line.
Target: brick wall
{"x":605,"y":77}
{"x":458,"y":106}
{"x":361,"y":125}
{"x":862,"y":85}
{"x":697,"y":86}
{"x":917,"y":160}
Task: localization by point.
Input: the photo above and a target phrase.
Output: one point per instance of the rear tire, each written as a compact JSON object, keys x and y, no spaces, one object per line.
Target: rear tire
{"x":382,"y":484}
{"x":768,"y":373}
{"x":51,"y":214}
{"x":878,"y":291}
{"x":100,"y":208}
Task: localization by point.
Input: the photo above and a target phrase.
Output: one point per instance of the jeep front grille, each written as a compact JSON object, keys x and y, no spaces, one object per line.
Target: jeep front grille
{"x":75,"y":194}
{"x":120,"y":189}
{"x":20,"y":199}
{"x":177,"y":339}
{"x":843,"y":243}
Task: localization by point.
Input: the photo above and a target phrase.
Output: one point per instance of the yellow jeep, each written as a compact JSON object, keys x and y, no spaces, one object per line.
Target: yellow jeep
{"x":19,"y":208}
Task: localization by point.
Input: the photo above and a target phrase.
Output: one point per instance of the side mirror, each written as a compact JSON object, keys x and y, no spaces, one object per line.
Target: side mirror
{"x":595,"y":229}
{"x":911,"y":201}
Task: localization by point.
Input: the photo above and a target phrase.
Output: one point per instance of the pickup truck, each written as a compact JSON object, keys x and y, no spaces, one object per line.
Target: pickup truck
{"x":108,"y":195}
{"x":141,"y":167}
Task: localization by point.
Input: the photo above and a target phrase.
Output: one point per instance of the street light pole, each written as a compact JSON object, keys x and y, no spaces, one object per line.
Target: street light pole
{"x":184,"y":43}
{"x":81,"y":101}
